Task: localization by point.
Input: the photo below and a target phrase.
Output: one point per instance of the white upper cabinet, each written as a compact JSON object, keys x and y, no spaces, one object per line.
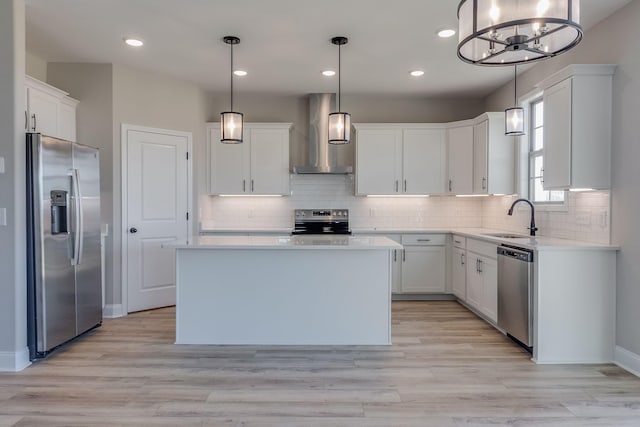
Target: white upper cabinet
{"x":423,"y":161}
{"x":493,"y":156}
{"x":577,"y":127}
{"x":258,"y":166}
{"x":394,"y":159}
{"x":378,"y":161}
{"x":49,"y":110}
{"x":460,"y":159}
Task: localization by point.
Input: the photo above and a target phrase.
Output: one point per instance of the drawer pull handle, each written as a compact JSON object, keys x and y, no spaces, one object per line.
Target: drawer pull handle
{"x":424,"y":240}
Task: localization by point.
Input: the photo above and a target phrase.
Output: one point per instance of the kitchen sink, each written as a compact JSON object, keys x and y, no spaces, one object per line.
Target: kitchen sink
{"x":506,"y":235}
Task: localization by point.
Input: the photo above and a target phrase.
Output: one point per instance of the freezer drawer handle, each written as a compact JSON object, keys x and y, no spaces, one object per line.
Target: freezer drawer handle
{"x":133,"y":230}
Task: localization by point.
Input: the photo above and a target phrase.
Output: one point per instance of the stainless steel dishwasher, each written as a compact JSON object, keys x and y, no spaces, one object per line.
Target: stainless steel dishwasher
{"x":515,"y":293}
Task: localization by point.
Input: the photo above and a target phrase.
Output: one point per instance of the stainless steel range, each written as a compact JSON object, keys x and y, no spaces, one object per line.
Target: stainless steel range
{"x":321,"y":221}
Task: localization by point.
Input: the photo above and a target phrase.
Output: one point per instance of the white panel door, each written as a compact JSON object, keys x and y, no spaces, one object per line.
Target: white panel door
{"x":157,"y":206}
{"x":423,"y":161}
{"x":460,"y":160}
{"x":229,"y":165}
{"x":557,"y":136}
{"x":269,"y":161}
{"x":423,"y":269}
{"x":480,"y":157}
{"x":475,"y":287}
{"x":378,"y":160}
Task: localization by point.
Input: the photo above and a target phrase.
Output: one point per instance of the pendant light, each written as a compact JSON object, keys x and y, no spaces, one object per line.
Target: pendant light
{"x":514,"y":116}
{"x":339,"y":122}
{"x":231,"y":121}
{"x":508,"y":32}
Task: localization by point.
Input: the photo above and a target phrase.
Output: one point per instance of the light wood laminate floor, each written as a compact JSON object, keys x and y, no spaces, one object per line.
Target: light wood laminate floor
{"x":445,"y":368}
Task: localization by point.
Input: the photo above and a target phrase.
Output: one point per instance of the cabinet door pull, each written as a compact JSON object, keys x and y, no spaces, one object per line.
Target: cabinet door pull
{"x":243,"y":186}
{"x":405,"y":185}
{"x":404,"y":255}
{"x":424,"y":240}
{"x":479,"y":266}
{"x":462,"y":259}
{"x":484,"y":183}
{"x":450,"y":186}
{"x":252,"y":186}
{"x":33,"y":116}
{"x":395,"y":255}
{"x":458,"y":242}
{"x":396,"y":185}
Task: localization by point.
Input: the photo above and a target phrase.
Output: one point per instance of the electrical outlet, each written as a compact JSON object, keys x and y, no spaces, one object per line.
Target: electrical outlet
{"x":603,"y":219}
{"x":583,"y":218}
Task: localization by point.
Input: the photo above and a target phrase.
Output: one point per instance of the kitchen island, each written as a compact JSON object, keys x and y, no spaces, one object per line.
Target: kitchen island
{"x":299,"y":290}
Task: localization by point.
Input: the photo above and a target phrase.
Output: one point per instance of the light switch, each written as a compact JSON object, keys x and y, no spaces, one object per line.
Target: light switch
{"x":3,"y":216}
{"x":1,"y":164}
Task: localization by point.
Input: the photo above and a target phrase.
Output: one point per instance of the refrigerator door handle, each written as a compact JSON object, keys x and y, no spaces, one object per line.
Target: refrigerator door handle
{"x":78,"y":229}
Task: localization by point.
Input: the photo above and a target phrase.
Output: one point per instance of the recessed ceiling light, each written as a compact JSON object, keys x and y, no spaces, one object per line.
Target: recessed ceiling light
{"x":240,"y":73}
{"x":445,"y":33}
{"x":133,"y":42}
{"x":329,"y":73}
{"x":417,"y":73}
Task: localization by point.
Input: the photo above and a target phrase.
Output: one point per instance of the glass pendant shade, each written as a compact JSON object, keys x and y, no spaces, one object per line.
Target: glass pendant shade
{"x":339,"y":122}
{"x":507,"y":32}
{"x":514,"y":121}
{"x":231,"y":127}
{"x":339,"y":128}
{"x":230,"y":121}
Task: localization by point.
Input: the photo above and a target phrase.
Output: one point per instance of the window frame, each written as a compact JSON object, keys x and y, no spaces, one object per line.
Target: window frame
{"x":531,"y":157}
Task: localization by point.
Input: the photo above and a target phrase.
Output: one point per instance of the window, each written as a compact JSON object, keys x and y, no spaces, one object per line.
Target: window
{"x":536,"y":161}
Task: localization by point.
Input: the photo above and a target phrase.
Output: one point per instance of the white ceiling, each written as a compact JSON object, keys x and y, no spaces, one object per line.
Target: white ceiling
{"x":285,"y":44}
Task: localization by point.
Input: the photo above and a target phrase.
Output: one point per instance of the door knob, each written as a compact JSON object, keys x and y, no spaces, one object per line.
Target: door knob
{"x":133,"y":230}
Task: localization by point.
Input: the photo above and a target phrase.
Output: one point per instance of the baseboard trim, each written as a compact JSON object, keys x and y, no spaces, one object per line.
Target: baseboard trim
{"x":627,"y":360}
{"x":423,"y":297}
{"x":111,"y":311}
{"x":14,"y":361}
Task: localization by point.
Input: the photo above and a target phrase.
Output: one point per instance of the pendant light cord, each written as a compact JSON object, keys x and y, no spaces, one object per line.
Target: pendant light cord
{"x":515,"y":85}
{"x":339,"y":76}
{"x":231,"y":74}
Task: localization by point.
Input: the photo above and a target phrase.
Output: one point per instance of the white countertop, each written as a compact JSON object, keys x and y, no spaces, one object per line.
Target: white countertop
{"x":534,"y":243}
{"x":287,"y":242}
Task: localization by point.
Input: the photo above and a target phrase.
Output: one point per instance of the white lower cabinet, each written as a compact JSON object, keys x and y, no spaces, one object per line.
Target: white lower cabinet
{"x":423,"y":264}
{"x":458,"y":264}
{"x":482,"y":278}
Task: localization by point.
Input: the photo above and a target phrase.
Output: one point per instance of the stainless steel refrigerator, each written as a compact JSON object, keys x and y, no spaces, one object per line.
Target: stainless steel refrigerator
{"x":64,"y":289}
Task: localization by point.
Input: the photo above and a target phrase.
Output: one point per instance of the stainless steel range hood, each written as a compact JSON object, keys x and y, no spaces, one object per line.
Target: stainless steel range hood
{"x":322,"y":157}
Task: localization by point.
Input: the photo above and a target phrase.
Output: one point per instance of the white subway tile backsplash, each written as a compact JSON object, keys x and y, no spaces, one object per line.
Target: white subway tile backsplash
{"x":586,"y":218}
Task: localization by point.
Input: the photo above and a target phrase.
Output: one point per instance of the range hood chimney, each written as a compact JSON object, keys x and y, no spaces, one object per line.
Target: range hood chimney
{"x":322,"y":157}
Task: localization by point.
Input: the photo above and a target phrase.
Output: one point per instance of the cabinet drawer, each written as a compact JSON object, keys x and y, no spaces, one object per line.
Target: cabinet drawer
{"x":423,"y":239}
{"x":459,"y":241}
{"x":483,"y":248}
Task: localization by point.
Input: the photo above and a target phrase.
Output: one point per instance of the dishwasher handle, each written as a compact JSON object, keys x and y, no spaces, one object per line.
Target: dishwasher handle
{"x":520,"y":254}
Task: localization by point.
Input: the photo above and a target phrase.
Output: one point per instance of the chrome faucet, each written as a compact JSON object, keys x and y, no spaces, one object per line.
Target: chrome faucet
{"x":532,"y":226}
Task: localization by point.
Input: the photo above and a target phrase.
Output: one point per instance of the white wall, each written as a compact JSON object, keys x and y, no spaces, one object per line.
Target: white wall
{"x":613,"y":41}
{"x":13,"y":331}
{"x":36,"y":67}
{"x":152,"y":100}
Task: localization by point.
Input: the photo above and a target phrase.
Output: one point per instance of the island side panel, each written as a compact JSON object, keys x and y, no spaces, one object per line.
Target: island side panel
{"x":283,"y":297}
{"x":575,"y":297}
